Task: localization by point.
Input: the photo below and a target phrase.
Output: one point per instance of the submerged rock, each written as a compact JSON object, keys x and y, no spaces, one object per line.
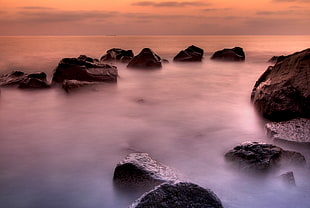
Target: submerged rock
{"x":255,"y":156}
{"x":146,"y":59}
{"x":118,"y":54}
{"x":69,"y":85}
{"x":191,"y":54}
{"x":288,"y":179}
{"x":233,"y":54}
{"x":12,"y":78}
{"x":295,"y":130}
{"x":178,"y":195}
{"x":283,"y":90}
{"x":83,"y":70}
{"x":140,"y":170}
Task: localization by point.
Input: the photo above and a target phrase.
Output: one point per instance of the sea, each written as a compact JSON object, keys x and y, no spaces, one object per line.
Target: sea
{"x":59,"y":150}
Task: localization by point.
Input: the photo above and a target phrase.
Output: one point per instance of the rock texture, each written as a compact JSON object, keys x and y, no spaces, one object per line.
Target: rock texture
{"x":191,"y":54}
{"x":83,"y":69}
{"x":146,"y":59}
{"x":233,"y":54}
{"x":69,"y":85}
{"x":34,"y":80}
{"x":140,"y":170}
{"x":256,"y":156}
{"x":118,"y":54}
{"x":283,"y":90}
{"x":12,"y":78}
{"x":179,"y":195}
{"x":275,"y":59}
{"x":295,"y":130}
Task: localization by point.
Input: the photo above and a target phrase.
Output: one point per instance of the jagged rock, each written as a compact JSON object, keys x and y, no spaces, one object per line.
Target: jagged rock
{"x":88,"y":59}
{"x":146,"y":59}
{"x":83,"y":70}
{"x":276,"y":59}
{"x":69,"y":85}
{"x":255,"y":156}
{"x":140,"y":170}
{"x":191,"y":54}
{"x":283,"y":90}
{"x":117,"y":54}
{"x":12,"y":78}
{"x":34,"y":80}
{"x":233,"y":54}
{"x":288,"y":179}
{"x":178,"y":195}
{"x":295,"y":130}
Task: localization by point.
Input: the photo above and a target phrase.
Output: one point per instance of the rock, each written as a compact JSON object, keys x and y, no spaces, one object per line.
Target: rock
{"x":255,"y":156}
{"x":288,"y":179}
{"x":283,"y":90}
{"x":145,"y":59}
{"x":233,"y":54}
{"x":140,"y":170}
{"x":69,"y":85}
{"x":82,"y":70}
{"x":117,"y":54}
{"x":191,"y":54}
{"x":276,"y":59}
{"x":34,"y":80}
{"x":13,"y":78}
{"x":178,"y":195}
{"x":295,"y":130}
{"x":87,"y":59}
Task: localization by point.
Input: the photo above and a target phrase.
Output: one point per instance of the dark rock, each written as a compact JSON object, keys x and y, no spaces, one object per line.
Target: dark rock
{"x":276,"y":59}
{"x":34,"y":80}
{"x":87,"y":59}
{"x":79,"y":69}
{"x":191,"y":54}
{"x":117,"y":54}
{"x":69,"y":85}
{"x":295,"y":130}
{"x":288,"y":179}
{"x":13,"y":78}
{"x":254,"y":156}
{"x":140,"y":170}
{"x":38,"y":75}
{"x":283,"y":90}
{"x":145,"y":59}
{"x":178,"y":195}
{"x":233,"y":54}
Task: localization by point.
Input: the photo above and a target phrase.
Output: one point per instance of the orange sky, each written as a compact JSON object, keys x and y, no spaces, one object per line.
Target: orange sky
{"x":154,"y":17}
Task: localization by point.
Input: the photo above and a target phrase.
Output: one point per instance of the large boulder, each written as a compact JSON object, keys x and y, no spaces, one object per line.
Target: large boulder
{"x":283,"y":90}
{"x":12,"y":78}
{"x":295,"y":130}
{"x":255,"y":156}
{"x":229,"y":54}
{"x":146,"y":59}
{"x":118,"y":54}
{"x":190,"y":54}
{"x":34,"y":80}
{"x":178,"y":195}
{"x":140,"y":170}
{"x":84,"y":70}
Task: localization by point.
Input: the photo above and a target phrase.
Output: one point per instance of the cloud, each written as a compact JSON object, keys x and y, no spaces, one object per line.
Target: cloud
{"x":215,"y":9}
{"x":169,"y":3}
{"x":294,"y":12}
{"x":35,"y":8}
{"x":304,"y":1}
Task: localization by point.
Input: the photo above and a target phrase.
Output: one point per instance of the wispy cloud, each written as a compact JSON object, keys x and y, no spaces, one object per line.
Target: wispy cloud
{"x":304,"y":1}
{"x":169,"y":3}
{"x":215,"y":9}
{"x":36,"y":8}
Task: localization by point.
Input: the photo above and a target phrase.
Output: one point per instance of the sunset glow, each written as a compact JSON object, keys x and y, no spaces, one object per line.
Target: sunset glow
{"x":158,"y":17}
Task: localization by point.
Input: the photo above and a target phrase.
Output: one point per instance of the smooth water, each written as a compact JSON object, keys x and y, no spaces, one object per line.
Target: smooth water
{"x":60,"y":150}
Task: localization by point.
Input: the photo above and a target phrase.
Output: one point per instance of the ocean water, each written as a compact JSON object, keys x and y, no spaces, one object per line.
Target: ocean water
{"x":60,"y":150}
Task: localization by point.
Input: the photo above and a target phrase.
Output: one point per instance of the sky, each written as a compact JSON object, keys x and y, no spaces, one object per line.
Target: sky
{"x":154,"y":17}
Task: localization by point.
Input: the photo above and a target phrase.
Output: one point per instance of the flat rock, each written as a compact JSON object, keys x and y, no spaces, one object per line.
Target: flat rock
{"x":229,"y":54}
{"x":146,"y":59}
{"x":190,"y":54}
{"x":295,"y":130}
{"x":83,"y":70}
{"x":283,"y":90}
{"x":255,"y":156}
{"x":140,"y":170}
{"x":178,"y":195}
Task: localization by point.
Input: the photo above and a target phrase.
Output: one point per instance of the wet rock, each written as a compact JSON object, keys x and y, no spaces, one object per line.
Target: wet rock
{"x":295,"y":130}
{"x":178,"y":195}
{"x":83,"y":70}
{"x":146,"y":59}
{"x":12,"y":78}
{"x":283,"y":90}
{"x":140,"y":170}
{"x":233,"y":54}
{"x":69,"y":85}
{"x":255,"y":156}
{"x":118,"y":54}
{"x":190,"y":54}
{"x":288,"y":179}
{"x":34,"y":81}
